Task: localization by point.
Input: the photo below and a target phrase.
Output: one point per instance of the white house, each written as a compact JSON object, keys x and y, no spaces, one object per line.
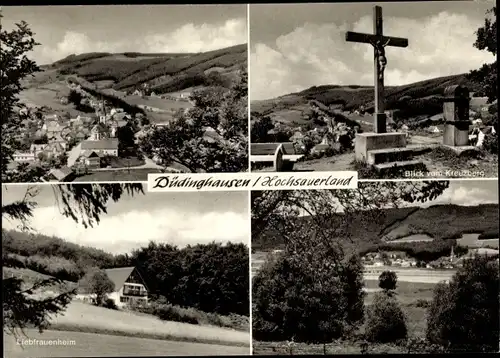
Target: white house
{"x":37,"y":148}
{"x":433,"y":129}
{"x":116,"y":110}
{"x":24,"y":157}
{"x":129,"y":286}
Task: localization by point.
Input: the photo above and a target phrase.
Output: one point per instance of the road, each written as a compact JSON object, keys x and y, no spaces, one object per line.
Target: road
{"x":149,"y":164}
{"x":79,"y":344}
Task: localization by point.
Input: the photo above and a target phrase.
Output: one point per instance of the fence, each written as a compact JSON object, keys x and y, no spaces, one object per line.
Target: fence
{"x":345,"y":347}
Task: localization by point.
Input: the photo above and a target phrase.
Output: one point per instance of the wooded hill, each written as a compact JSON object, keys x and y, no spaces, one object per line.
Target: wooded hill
{"x":210,"y":277}
{"x":419,"y":98}
{"x":444,"y":223}
{"x":163,"y":73}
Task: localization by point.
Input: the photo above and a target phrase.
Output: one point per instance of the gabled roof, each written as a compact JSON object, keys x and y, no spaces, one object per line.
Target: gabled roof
{"x":119,"y":275}
{"x":108,"y":143}
{"x":90,"y":153}
{"x":61,"y":173}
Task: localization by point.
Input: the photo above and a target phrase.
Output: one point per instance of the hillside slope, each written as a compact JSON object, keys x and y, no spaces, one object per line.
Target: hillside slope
{"x":423,"y":95}
{"x":163,"y":73}
{"x":439,"y":221}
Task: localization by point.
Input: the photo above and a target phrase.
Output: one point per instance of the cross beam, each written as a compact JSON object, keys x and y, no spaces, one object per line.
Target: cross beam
{"x":369,"y":39}
{"x":379,"y":42}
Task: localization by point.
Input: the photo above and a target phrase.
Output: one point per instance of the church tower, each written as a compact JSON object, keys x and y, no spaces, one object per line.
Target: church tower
{"x":102,"y":114}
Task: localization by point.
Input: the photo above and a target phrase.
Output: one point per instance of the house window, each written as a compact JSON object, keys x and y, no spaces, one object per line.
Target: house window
{"x":124,"y":299}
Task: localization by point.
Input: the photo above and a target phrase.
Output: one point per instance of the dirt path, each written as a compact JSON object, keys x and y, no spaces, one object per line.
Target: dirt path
{"x":339,"y":162}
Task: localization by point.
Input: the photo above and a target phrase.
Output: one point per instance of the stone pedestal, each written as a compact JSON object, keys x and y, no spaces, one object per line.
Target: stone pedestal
{"x":379,"y":122}
{"x":456,"y":133}
{"x":372,"y":141}
{"x":278,"y":159}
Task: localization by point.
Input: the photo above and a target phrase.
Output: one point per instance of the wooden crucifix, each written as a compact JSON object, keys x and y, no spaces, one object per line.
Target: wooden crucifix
{"x":379,"y":42}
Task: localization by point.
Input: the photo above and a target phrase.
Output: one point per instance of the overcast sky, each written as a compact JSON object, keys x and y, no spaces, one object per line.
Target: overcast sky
{"x":468,"y":193}
{"x":296,"y":46}
{"x":64,"y":30}
{"x":175,"y":218}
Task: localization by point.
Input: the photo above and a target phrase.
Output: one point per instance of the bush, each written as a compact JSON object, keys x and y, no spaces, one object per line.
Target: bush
{"x":313,"y":306}
{"x":490,"y":143}
{"x":387,"y":280}
{"x":386,"y":321}
{"x":422,"y":303}
{"x":168,"y":312}
{"x":464,"y":313}
{"x":109,"y":303}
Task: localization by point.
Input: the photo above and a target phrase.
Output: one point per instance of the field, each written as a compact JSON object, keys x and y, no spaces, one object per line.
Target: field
{"x":49,"y":95}
{"x":81,"y":317}
{"x":103,"y":345}
{"x":118,"y":162}
{"x":408,"y":277}
{"x":156,"y":102}
{"x":411,"y":297}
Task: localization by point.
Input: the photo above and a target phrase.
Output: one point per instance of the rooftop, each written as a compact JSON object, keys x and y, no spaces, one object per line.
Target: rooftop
{"x":108,"y":143}
{"x":61,"y":173}
{"x":119,"y":275}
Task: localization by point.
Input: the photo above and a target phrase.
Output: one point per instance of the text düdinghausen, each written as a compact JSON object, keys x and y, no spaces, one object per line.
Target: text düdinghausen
{"x":252,"y":181}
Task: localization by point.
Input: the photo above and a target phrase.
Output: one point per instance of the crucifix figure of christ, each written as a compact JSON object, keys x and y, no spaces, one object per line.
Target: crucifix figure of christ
{"x":379,"y":43}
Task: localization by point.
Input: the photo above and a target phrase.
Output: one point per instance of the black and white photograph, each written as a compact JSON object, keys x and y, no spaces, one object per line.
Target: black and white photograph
{"x":108,"y":270}
{"x":112,"y":93}
{"x":393,"y":89}
{"x":391,"y":267}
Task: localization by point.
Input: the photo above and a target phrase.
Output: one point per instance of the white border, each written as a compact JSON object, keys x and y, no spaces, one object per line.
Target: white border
{"x":250,"y":320}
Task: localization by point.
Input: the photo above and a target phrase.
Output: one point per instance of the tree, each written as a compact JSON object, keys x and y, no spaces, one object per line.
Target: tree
{"x":463,"y":315}
{"x":15,"y":65}
{"x":486,"y":39}
{"x":97,"y":282}
{"x":386,"y":321}
{"x":260,"y":129}
{"x":61,"y":160}
{"x":41,"y":140}
{"x":277,"y":209}
{"x":387,"y":280}
{"x":307,"y":295}
{"x":85,"y":204}
{"x":211,"y":137}
{"x":126,"y":141}
{"x":75,"y":97}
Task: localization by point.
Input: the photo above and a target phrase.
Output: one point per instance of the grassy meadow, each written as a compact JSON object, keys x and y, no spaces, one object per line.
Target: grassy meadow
{"x":82,"y":317}
{"x":103,"y":345}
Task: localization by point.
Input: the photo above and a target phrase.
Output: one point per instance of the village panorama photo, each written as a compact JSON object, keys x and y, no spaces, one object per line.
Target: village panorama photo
{"x":391,"y":267}
{"x":401,"y":90}
{"x":109,"y":270}
{"x":112,"y":93}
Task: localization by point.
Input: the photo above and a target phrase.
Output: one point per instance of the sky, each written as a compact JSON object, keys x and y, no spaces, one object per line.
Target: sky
{"x":297,"y":46}
{"x":468,"y":193}
{"x":132,"y":222}
{"x":459,"y":192}
{"x":66,"y":30}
